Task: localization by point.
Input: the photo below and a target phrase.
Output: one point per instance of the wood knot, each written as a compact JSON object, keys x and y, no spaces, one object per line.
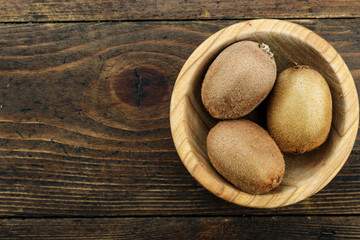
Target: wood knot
{"x":141,"y":86}
{"x":132,"y":91}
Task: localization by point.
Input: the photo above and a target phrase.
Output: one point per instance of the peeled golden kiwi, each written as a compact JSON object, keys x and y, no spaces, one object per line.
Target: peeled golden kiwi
{"x":240,"y":77}
{"x":299,"y":111}
{"x":245,"y":154}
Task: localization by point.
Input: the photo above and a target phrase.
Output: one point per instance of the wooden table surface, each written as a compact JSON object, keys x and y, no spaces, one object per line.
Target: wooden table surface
{"x":85,"y":144}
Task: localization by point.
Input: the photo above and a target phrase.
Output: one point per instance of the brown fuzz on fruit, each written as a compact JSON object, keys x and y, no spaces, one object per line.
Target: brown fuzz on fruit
{"x":238,"y":80}
{"x":245,"y":154}
{"x":299,"y":111}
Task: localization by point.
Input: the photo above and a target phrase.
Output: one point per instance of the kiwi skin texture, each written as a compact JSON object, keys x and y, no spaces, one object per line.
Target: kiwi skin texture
{"x":245,"y":154}
{"x":299,"y":110}
{"x":238,"y":80}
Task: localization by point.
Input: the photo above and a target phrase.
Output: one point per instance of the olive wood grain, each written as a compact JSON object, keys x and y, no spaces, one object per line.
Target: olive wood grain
{"x":63,"y":154}
{"x":305,"y":173}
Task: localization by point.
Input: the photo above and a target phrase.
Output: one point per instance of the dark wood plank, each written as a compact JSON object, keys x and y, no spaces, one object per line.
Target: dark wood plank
{"x":78,"y":10}
{"x":183,"y":228}
{"x":74,"y":143}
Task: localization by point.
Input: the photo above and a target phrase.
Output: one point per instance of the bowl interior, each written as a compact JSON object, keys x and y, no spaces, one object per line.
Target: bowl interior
{"x":305,"y":173}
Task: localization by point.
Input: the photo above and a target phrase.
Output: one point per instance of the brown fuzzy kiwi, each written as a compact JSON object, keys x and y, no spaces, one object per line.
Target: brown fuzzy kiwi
{"x":240,"y":77}
{"x":299,"y":111}
{"x":245,"y":154}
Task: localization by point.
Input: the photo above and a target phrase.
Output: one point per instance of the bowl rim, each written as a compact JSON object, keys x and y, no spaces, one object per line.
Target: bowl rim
{"x":179,"y":126}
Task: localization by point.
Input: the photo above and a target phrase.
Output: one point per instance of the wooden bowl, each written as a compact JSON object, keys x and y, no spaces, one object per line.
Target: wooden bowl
{"x":306,"y":173}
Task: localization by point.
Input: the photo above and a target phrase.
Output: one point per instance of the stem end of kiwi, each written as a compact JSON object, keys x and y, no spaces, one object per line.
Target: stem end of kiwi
{"x":266,"y":49}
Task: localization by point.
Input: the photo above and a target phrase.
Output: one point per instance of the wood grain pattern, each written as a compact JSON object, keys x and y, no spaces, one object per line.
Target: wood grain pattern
{"x":201,"y":228}
{"x":69,"y":149}
{"x":113,"y":10}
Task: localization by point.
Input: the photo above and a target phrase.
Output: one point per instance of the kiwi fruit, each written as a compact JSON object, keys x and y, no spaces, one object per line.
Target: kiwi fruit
{"x":245,"y":154}
{"x":239,"y":78}
{"x":299,"y":110}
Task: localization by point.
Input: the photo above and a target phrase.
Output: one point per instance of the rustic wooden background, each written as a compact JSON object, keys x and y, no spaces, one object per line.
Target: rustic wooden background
{"x":85,"y":144}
